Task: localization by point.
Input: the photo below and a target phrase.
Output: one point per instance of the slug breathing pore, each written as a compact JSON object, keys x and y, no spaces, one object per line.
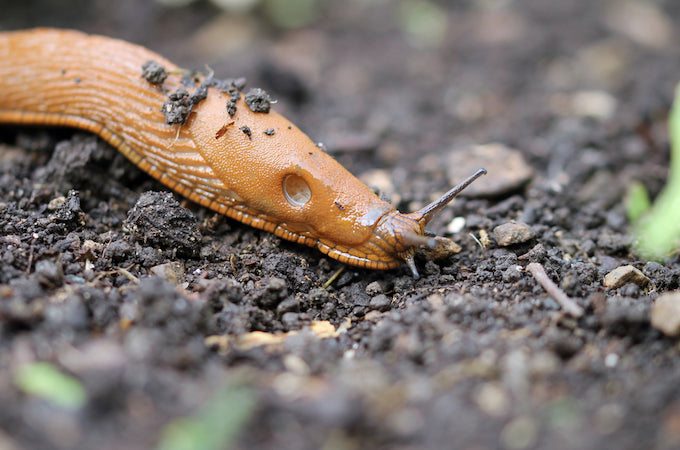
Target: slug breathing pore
{"x":209,"y":141}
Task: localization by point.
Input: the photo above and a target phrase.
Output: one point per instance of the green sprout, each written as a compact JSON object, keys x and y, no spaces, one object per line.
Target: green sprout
{"x":657,"y":232}
{"x":45,"y":381}
{"x":424,"y":23}
{"x":213,"y":427}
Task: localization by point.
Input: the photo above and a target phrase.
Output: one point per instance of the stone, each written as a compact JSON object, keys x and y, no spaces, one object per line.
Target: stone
{"x":666,"y":314}
{"x":512,"y":233}
{"x":507,"y":168}
{"x":624,"y":275}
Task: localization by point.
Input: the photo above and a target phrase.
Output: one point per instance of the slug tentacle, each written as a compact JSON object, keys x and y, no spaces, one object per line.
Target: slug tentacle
{"x":397,"y":236}
{"x":208,"y":141}
{"x":428,"y":212}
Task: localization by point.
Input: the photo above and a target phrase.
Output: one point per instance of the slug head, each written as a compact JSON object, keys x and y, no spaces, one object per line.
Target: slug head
{"x":397,"y":236}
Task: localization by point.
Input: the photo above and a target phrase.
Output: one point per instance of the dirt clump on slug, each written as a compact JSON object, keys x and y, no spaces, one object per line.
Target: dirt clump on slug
{"x":181,"y":102}
{"x":145,"y":317}
{"x":154,"y":72}
{"x":258,"y":100}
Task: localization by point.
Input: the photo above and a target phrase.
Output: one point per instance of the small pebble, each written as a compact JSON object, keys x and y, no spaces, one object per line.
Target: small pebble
{"x":380,"y":302}
{"x":511,"y":233}
{"x":624,"y":275}
{"x":644,"y":23}
{"x":492,"y":399}
{"x":508,"y":171}
{"x":443,"y":248}
{"x":537,"y":254}
{"x":666,"y":314}
{"x":172,"y":272}
{"x":595,"y":104}
{"x":456,"y":225}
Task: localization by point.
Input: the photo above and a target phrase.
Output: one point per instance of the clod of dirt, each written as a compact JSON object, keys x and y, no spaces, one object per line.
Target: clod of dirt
{"x":512,"y":233}
{"x":563,"y":343}
{"x":154,"y":72}
{"x":176,"y":109}
{"x":258,"y":100}
{"x":157,"y":219}
{"x":380,"y":302}
{"x":271,"y":292}
{"x":374,"y":288}
{"x":75,"y":164}
{"x":23,"y":303}
{"x":291,"y":304}
{"x":508,"y":171}
{"x":666,"y":314}
{"x":625,"y":316}
{"x":50,"y":274}
{"x":221,"y":292}
{"x":67,"y":212}
{"x":663,"y":277}
{"x":624,"y":275}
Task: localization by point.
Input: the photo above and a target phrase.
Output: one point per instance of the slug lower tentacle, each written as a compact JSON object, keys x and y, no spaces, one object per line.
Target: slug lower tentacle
{"x":207,"y":141}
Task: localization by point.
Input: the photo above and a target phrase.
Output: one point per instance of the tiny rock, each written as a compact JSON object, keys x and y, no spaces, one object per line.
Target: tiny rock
{"x":443,"y":248}
{"x":511,"y":233}
{"x":508,"y":171}
{"x":596,"y":104}
{"x":172,"y":272}
{"x":624,"y":275}
{"x":380,"y":302}
{"x":666,"y":314}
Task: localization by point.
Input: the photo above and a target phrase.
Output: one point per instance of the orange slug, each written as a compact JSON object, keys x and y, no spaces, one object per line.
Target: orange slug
{"x":207,"y":141}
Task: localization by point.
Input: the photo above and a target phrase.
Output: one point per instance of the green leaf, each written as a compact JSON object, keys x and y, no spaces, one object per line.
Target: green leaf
{"x":658,"y":233}
{"x":425,"y":23}
{"x":45,"y":381}
{"x":215,"y":426}
{"x":637,"y":201}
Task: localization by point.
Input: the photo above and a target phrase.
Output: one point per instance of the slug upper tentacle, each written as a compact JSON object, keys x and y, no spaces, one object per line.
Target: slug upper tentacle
{"x":207,"y":141}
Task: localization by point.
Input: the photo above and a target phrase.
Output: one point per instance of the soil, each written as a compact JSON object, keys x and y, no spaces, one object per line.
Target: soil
{"x":162,"y":311}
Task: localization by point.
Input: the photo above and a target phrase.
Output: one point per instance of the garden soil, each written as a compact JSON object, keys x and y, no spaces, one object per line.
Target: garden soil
{"x":167,"y":323}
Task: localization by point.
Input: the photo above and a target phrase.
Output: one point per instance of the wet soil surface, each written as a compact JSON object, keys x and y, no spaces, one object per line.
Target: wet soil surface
{"x":161,"y":310}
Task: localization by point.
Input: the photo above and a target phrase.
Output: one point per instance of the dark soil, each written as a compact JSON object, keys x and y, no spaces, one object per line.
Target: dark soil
{"x":148,"y":301}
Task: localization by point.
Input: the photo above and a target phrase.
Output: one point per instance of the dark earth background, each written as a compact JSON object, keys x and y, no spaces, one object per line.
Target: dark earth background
{"x":145,"y":301}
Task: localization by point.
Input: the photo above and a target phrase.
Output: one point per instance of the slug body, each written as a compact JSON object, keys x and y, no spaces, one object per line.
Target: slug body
{"x":255,"y":167}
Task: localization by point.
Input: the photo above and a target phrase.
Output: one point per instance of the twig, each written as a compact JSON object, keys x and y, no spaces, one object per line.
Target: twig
{"x":570,"y":307}
{"x":333,"y":277}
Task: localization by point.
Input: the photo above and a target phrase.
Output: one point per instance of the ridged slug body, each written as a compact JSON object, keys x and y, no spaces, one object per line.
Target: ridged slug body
{"x":200,"y":138}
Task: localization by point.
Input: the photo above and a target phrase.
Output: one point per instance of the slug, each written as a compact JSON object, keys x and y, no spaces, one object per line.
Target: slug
{"x":208,"y":141}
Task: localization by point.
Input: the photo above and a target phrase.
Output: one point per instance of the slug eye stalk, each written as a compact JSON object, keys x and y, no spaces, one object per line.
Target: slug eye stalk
{"x":427,"y":213}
